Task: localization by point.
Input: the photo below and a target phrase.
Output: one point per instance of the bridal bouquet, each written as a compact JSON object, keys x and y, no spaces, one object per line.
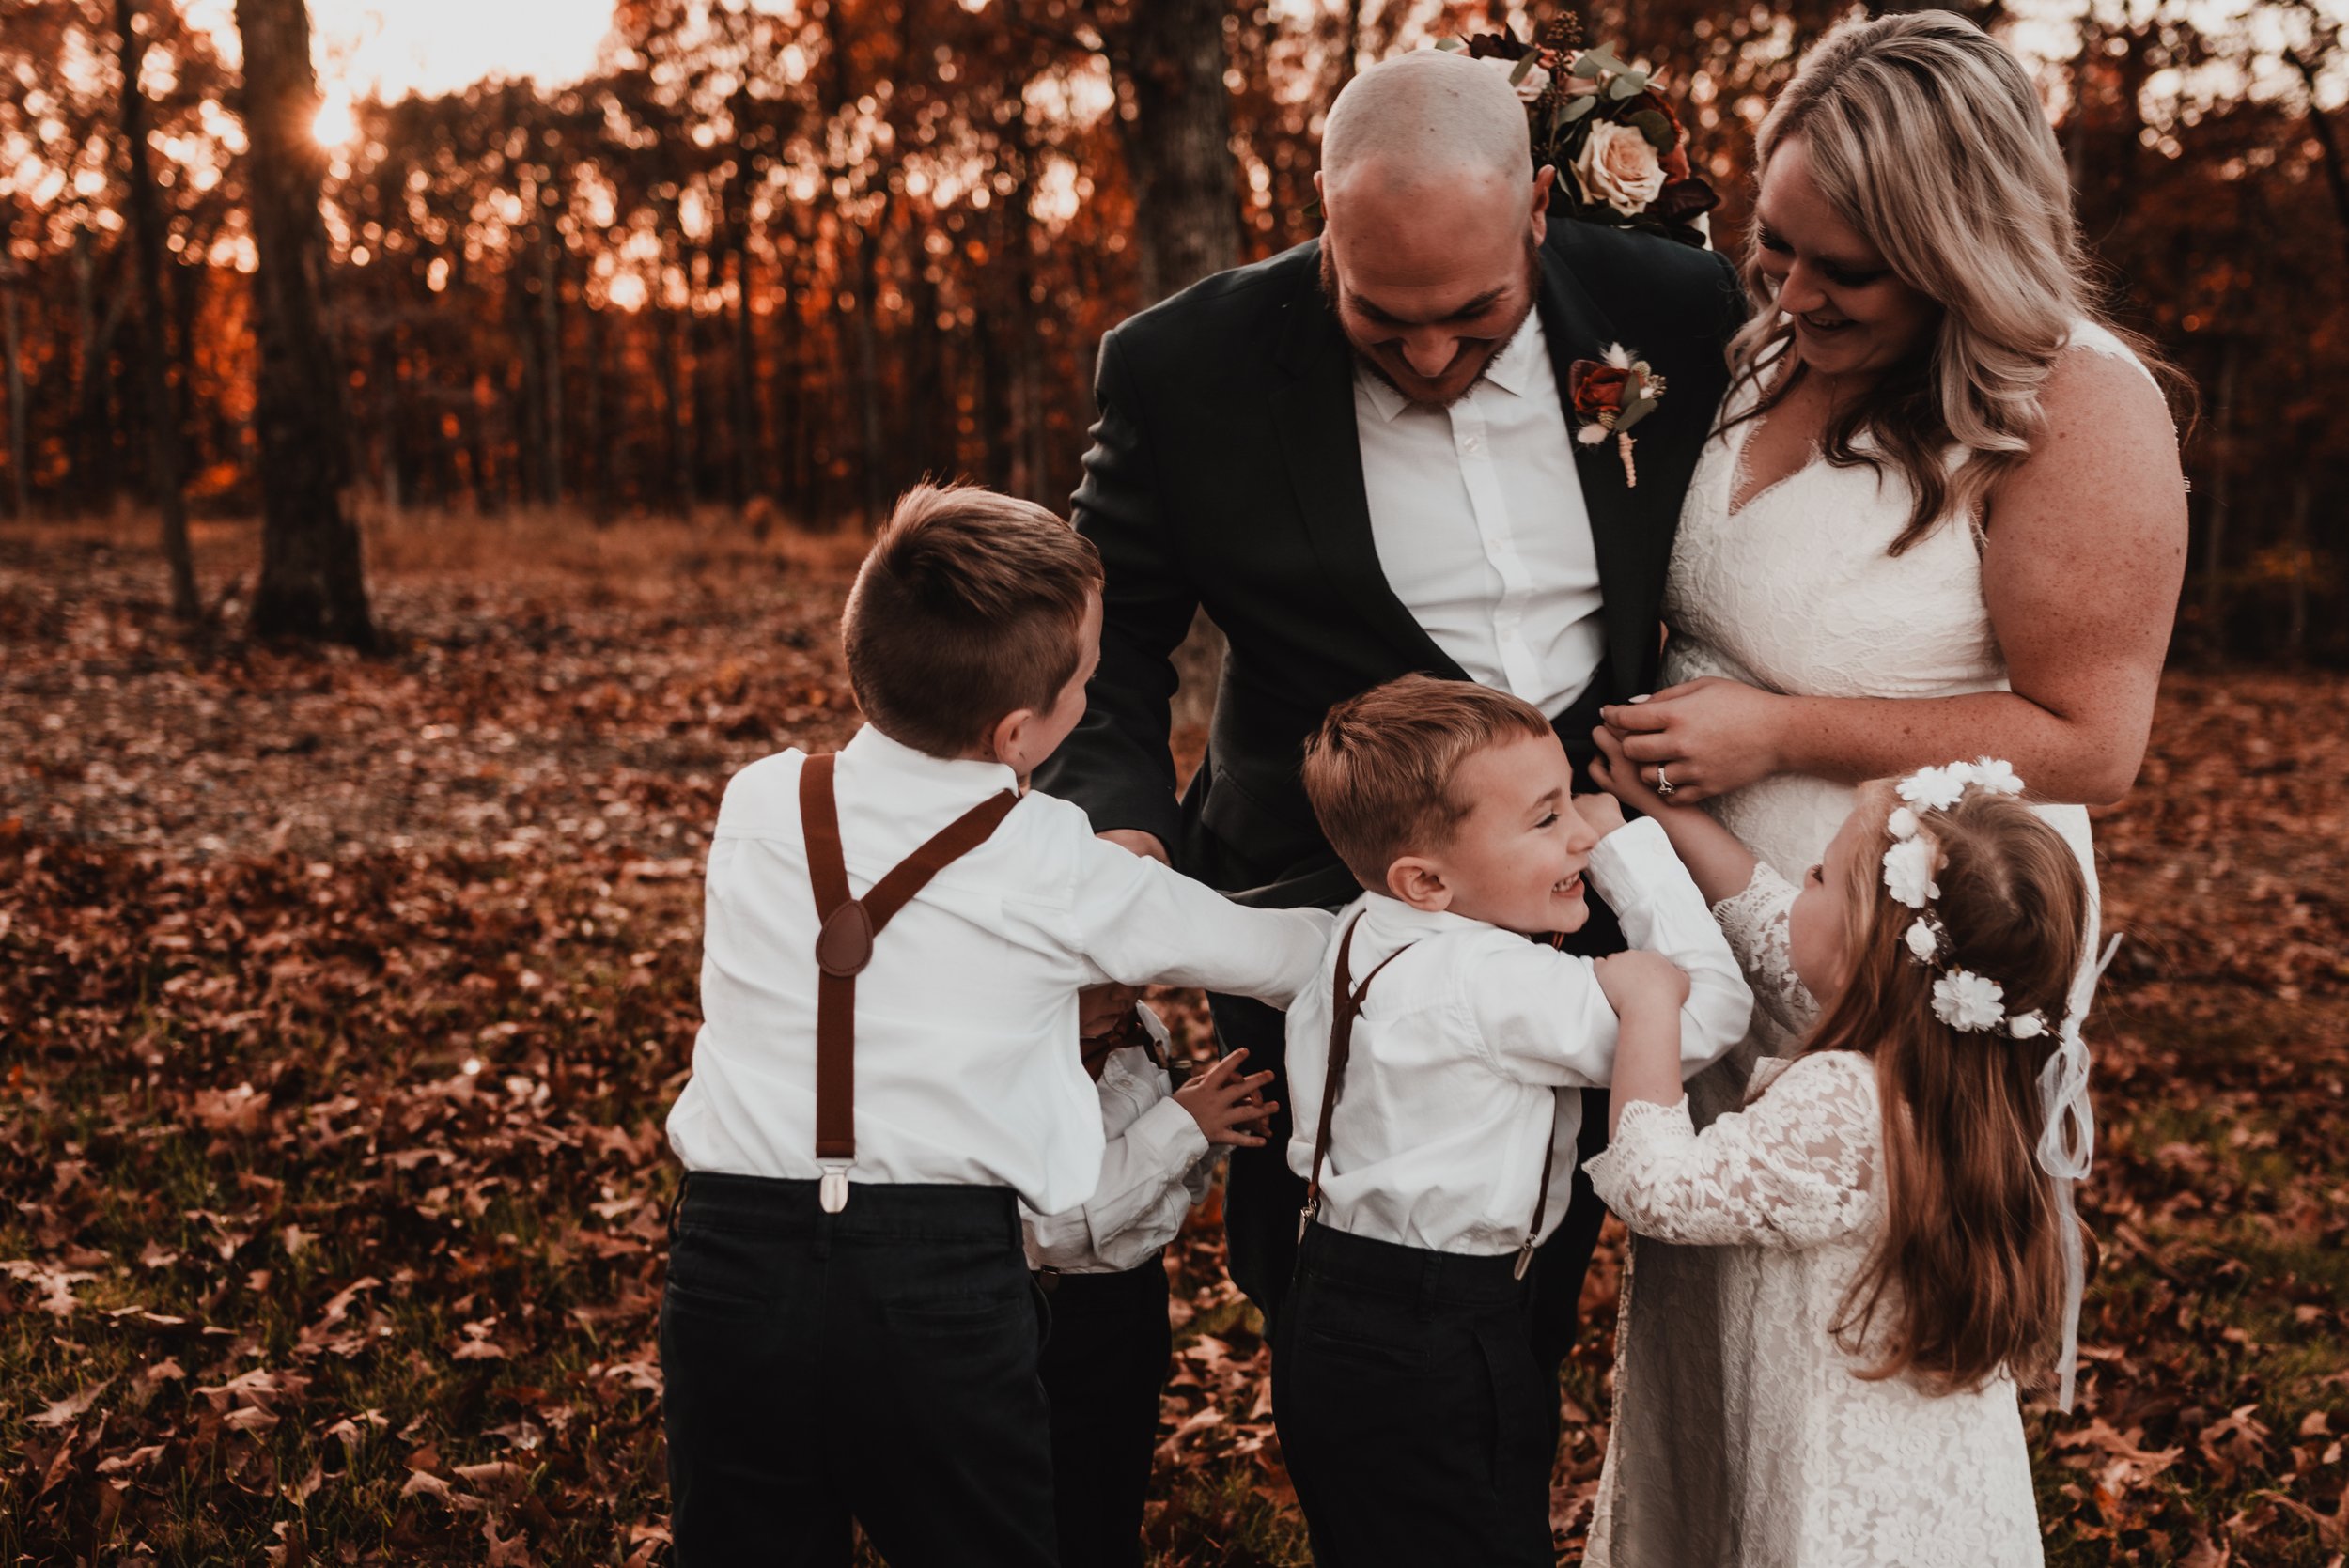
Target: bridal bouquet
{"x":1621,"y":152}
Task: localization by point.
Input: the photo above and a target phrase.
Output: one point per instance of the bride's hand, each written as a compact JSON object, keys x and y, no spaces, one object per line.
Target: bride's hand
{"x":1707,"y":737}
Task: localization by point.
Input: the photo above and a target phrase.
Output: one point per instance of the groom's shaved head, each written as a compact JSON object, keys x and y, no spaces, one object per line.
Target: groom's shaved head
{"x":1432,"y":212}
{"x":1428,"y":118}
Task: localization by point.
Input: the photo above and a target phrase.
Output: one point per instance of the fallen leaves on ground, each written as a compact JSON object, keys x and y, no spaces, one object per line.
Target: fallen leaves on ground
{"x":343,"y":999}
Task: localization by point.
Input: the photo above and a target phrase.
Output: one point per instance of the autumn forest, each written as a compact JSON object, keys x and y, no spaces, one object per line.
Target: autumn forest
{"x":415,"y":506}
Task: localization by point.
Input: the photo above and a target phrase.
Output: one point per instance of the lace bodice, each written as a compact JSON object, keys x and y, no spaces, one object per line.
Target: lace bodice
{"x":1826,"y":1466}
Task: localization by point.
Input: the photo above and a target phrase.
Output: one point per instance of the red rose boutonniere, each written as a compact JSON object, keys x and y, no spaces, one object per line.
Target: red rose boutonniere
{"x":1611,"y":396}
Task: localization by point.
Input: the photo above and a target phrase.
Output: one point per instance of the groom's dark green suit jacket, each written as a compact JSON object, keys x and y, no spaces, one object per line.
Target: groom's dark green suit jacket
{"x":1225,"y":472}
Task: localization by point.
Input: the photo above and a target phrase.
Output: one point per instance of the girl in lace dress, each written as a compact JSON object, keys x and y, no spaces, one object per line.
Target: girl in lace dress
{"x":1893,"y":1202}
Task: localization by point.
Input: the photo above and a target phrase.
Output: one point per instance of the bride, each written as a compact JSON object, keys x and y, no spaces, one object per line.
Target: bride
{"x":1941,"y":516}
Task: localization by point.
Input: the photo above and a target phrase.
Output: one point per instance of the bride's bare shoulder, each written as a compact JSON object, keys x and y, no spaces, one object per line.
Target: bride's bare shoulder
{"x":2109,"y":428}
{"x":2100,"y":390}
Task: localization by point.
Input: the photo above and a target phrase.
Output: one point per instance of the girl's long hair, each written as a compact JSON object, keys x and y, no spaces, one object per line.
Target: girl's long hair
{"x":1926,"y":138}
{"x":1967,"y":1278}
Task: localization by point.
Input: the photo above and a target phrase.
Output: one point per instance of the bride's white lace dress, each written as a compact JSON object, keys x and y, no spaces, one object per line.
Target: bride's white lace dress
{"x":1794,"y":592}
{"x":1822,"y":1467}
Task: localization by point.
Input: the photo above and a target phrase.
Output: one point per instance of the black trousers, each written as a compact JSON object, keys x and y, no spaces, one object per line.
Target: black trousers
{"x":1262,"y":1195}
{"x":878,"y":1364}
{"x":1104,"y":1366}
{"x":1417,"y":1424}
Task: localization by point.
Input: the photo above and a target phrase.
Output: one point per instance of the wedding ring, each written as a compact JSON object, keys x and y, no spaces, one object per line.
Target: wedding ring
{"x":1664,"y":786}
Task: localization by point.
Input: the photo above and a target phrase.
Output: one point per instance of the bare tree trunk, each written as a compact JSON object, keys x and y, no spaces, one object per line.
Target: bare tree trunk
{"x":868,"y":362}
{"x":1180,"y":144}
{"x":311,"y":582}
{"x":603,"y":473}
{"x":389,"y":404}
{"x":12,"y":340}
{"x":2221,"y":499}
{"x":2297,"y":591}
{"x":551,"y":354}
{"x":1349,"y":45}
{"x":748,"y":444}
{"x":2328,"y":144}
{"x":165,"y":462}
{"x":673,"y":408}
{"x":90,"y":467}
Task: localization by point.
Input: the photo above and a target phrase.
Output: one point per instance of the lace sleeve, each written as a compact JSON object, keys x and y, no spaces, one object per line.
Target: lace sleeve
{"x":1755,"y":922}
{"x":1791,"y":1170}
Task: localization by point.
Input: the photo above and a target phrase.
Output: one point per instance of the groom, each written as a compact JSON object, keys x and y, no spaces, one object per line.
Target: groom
{"x":1358,"y":457}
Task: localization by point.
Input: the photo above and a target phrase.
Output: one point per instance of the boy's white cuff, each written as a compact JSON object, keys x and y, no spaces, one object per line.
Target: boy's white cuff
{"x":1625,"y":862}
{"x":1166,"y":1138}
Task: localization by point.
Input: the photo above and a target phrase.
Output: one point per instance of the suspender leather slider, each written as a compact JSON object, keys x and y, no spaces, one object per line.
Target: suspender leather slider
{"x":833,"y":1191}
{"x":846,"y":944}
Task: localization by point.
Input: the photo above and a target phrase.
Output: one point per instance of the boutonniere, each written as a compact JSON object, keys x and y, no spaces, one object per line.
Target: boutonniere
{"x":1611,"y":394}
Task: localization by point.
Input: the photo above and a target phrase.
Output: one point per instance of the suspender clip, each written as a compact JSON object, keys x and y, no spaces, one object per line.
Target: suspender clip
{"x":1305,"y":1217}
{"x":1525,"y":1260}
{"x":833,"y":1191}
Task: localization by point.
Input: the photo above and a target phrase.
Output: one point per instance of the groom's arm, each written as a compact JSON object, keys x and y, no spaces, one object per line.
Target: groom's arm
{"x":1117,"y":765}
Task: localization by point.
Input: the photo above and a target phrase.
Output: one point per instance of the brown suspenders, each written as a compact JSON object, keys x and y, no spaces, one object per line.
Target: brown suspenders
{"x":1345,"y":1006}
{"x":844,"y":946}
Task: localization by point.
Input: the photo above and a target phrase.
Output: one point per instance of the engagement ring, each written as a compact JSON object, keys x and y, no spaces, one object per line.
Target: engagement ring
{"x":1664,"y":786}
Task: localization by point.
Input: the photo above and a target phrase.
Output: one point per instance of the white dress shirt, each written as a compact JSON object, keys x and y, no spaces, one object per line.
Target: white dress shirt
{"x":966,"y":1062}
{"x":1159,"y":1165}
{"x":1464,"y":1042}
{"x":1478,"y":517}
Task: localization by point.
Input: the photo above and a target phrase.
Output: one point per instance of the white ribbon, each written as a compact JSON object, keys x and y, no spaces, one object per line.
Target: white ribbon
{"x":2067,"y":1141}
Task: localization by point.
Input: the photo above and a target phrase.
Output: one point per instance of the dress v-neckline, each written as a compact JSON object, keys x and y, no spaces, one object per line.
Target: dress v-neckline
{"x":1734,"y":508}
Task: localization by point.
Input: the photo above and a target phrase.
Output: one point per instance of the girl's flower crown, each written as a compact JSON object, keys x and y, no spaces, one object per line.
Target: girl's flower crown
{"x":1974,"y":1003}
{"x":1969,"y":1002}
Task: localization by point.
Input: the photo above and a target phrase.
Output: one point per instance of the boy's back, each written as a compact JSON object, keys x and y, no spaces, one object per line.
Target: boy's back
{"x":967,"y":1070}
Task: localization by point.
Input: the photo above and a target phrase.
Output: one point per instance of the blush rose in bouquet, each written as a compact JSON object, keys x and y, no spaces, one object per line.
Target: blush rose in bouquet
{"x":1618,"y":143}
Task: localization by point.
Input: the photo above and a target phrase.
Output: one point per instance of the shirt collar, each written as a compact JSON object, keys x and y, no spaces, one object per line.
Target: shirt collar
{"x":1522,"y":358}
{"x":966,"y":778}
{"x":1393,"y":923}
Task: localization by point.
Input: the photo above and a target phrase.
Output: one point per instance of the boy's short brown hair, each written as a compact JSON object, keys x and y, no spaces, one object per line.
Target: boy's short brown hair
{"x":1379,"y":770}
{"x":967,"y":608}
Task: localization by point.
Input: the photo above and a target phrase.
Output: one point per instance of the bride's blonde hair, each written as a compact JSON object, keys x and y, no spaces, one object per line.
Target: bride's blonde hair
{"x":1927,"y":138}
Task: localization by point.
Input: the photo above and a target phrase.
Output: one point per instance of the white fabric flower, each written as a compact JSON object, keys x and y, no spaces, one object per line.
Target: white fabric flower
{"x":1902,"y":824}
{"x":1968,"y":1001}
{"x":1996,"y":776}
{"x":1618,"y":165}
{"x":2027,"y":1026}
{"x":1934,"y":788}
{"x":1908,"y":872}
{"x":1921,"y":941}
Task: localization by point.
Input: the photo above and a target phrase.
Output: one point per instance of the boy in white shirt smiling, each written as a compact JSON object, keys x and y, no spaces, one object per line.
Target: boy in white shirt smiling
{"x":888,"y":1065}
{"x":1427,"y":1069}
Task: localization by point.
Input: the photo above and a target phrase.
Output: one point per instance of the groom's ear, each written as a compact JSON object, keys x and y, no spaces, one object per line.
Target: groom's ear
{"x":1419,"y":882}
{"x":1544,"y":181}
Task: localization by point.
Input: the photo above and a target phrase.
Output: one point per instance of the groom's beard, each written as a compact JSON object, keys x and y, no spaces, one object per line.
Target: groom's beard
{"x":1487,"y":349}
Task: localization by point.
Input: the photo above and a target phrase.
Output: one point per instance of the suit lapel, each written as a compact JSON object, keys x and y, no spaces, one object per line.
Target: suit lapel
{"x":1624,"y":520}
{"x":1312,"y":412}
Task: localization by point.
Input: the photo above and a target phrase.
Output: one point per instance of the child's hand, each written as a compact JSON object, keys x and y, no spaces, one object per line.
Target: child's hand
{"x":1601,"y":812}
{"x":1225,"y":1103}
{"x":1641,"y":983}
{"x":1619,"y":776}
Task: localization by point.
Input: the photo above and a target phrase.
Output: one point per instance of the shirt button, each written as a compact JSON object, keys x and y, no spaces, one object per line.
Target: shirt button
{"x":1473,"y":444}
